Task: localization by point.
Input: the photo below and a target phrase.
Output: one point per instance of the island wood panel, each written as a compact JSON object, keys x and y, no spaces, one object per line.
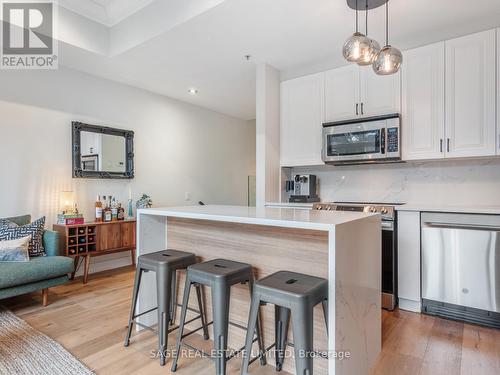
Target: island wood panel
{"x":268,"y":250}
{"x":109,"y":236}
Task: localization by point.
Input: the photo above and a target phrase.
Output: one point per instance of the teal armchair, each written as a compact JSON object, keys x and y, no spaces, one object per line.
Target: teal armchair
{"x":40,"y":273}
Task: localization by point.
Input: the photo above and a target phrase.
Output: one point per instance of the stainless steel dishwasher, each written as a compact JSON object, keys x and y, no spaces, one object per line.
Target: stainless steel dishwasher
{"x":461,"y":267}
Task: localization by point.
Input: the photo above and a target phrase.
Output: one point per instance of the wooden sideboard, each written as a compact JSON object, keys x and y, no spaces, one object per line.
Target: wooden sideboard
{"x":94,"y":239}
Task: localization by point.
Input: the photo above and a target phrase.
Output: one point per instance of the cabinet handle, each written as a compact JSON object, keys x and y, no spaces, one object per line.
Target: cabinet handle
{"x":448,"y":145}
{"x":441,"y":145}
{"x":357,"y":106}
{"x":362,"y":108}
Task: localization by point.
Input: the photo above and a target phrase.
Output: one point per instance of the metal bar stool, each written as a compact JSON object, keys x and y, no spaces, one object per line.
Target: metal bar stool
{"x":291,"y":293}
{"x":219,"y":275}
{"x":165,"y":264}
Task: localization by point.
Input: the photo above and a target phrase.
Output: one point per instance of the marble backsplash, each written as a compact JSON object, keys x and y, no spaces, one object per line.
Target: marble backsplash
{"x":472,"y":181}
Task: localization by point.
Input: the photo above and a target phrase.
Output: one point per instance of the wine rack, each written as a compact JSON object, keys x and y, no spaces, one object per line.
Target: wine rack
{"x":80,"y":239}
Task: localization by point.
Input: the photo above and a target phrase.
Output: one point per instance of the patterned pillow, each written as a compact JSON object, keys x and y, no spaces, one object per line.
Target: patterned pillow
{"x":35,"y":230}
{"x":15,"y":250}
{"x":4,"y":223}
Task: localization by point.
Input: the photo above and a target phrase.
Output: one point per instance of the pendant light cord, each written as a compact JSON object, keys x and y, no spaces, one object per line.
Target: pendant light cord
{"x":366,"y":18}
{"x":356,"y":16}
{"x":387,"y":23}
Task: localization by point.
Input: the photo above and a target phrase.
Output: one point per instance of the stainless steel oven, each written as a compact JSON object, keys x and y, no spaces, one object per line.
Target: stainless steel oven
{"x":368,"y":140}
{"x":389,"y":243}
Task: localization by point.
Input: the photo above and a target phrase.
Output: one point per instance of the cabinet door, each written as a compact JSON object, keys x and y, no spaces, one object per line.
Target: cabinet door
{"x":108,"y":237}
{"x":380,"y":95}
{"x":423,"y":103}
{"x":302,"y":115}
{"x":128,"y":234}
{"x":409,"y":260}
{"x":498,"y":92}
{"x":470,"y":95}
{"x":342,"y":93}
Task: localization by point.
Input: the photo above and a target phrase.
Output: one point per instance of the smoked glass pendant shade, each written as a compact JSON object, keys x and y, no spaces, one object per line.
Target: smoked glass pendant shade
{"x":388,"y":61}
{"x":356,"y":46}
{"x":368,"y":55}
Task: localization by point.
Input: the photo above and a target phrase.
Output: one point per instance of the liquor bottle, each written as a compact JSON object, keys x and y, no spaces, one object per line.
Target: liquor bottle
{"x":121,"y":212}
{"x":114,"y":210}
{"x":98,"y":209}
{"x":107,"y":214}
{"x":72,"y":241}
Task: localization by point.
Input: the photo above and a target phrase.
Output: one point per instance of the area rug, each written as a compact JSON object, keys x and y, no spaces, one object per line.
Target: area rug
{"x":24,"y":350}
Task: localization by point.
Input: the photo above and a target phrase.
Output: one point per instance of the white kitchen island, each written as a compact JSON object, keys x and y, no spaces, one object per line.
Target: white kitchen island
{"x":344,"y":247}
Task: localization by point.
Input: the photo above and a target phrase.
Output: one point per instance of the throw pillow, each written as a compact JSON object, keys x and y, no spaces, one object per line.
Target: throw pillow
{"x":4,"y":223}
{"x":35,"y":230}
{"x":15,"y":250}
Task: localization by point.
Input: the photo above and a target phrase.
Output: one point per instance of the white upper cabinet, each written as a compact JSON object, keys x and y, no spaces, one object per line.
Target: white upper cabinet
{"x":302,"y":115}
{"x":353,"y":91}
{"x":379,"y":95}
{"x":470,"y":95}
{"x":342,"y":93}
{"x":422,"y":111}
{"x":498,"y":92}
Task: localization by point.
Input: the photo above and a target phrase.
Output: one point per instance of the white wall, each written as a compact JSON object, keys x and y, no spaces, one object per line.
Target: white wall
{"x":179,"y":147}
{"x":475,"y":181}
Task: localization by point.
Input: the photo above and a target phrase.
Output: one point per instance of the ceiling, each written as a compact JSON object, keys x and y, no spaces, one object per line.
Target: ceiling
{"x":169,"y":46}
{"x":106,"y":12}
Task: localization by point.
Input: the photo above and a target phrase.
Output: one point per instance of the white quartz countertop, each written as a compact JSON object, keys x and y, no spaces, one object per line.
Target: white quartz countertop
{"x":271,"y":216}
{"x":453,"y":208}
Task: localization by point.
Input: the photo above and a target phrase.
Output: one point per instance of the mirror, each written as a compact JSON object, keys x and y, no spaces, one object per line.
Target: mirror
{"x":102,"y":152}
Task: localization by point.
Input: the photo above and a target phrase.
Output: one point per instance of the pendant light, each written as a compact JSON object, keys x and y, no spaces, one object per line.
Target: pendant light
{"x":389,"y":59}
{"x":368,"y":55}
{"x":357,"y":45}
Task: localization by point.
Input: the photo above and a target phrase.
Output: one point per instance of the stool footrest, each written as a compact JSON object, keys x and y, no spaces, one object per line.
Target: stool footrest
{"x":196,"y":330}
{"x":144,"y":313}
{"x":146,"y":327}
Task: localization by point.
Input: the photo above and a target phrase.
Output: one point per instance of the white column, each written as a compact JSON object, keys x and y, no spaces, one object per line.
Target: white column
{"x":268,"y":135}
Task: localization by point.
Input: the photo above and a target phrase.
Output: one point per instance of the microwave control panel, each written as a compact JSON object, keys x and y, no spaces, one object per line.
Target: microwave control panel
{"x":392,"y":140}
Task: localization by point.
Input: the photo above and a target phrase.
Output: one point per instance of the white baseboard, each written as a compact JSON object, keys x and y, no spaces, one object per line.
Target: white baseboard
{"x":410,"y":305}
{"x":106,"y":262}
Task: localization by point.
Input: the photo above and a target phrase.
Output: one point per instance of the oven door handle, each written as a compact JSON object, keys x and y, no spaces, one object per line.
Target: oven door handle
{"x":388,"y":225}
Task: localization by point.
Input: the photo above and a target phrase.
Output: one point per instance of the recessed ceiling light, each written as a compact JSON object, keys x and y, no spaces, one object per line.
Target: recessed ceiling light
{"x":193,"y":91}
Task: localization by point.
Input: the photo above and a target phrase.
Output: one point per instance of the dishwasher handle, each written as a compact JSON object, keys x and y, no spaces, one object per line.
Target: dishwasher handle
{"x":491,"y":228}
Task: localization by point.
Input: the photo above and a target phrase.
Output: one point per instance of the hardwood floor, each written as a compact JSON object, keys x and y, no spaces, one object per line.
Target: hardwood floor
{"x":90,"y":321}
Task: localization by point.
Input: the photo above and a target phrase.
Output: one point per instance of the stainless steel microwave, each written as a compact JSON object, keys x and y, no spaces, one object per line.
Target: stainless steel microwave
{"x":367,"y":140}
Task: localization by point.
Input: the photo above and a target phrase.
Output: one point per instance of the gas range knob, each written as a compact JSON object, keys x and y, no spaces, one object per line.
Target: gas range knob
{"x":383,"y":211}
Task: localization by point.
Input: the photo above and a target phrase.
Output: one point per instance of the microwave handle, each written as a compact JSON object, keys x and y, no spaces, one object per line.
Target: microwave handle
{"x":383,"y":141}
